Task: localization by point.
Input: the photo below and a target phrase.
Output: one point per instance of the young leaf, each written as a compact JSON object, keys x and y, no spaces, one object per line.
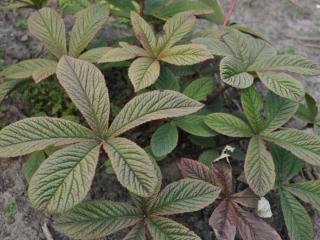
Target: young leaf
{"x":25,"y":69}
{"x":193,"y":169}
{"x":304,"y":145}
{"x":186,"y":195}
{"x":136,"y":233}
{"x":34,"y":134}
{"x":251,"y":227}
{"x":199,"y":89}
{"x":307,"y":191}
{"x":298,"y":222}
{"x":86,"y":87}
{"x":259,"y":167}
{"x":93,"y":55}
{"x":233,"y":73}
{"x":143,"y":72}
{"x":117,"y":55}
{"x":222,"y":177}
{"x":289,"y":63}
{"x":228,"y":125}
{"x":195,"y":125}
{"x":164,"y":228}
{"x":152,"y":106}
{"x":7,"y":86}
{"x":132,"y":165}
{"x":64,"y":179}
{"x":187,"y":54}
{"x":283,"y":85}
{"x":48,"y":26}
{"x":88,"y":23}
{"x":223,"y":221}
{"x":252,"y":106}
{"x":246,"y":198}
{"x":164,"y":140}
{"x":144,"y":33}
{"x":97,"y":219}
{"x":278,"y":111}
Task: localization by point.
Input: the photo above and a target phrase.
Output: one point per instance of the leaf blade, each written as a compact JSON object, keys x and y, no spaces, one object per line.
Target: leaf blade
{"x":164,"y":140}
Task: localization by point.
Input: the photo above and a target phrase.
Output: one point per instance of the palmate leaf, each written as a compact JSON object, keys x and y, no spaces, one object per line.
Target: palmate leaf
{"x":26,"y":69}
{"x":86,"y":87}
{"x":233,"y":73}
{"x":283,"y":85}
{"x":223,"y":221}
{"x":144,"y":72}
{"x":194,"y":169}
{"x":289,"y":63}
{"x":195,"y":125}
{"x":7,"y":86}
{"x":164,"y":228}
{"x":186,"y":195}
{"x":298,"y":222}
{"x":132,"y":165}
{"x":34,"y":134}
{"x":187,"y":54}
{"x":88,"y":23}
{"x":278,"y":111}
{"x":199,"y":89}
{"x":49,"y":28}
{"x":64,"y":179}
{"x":136,"y":233}
{"x":117,"y":55}
{"x":97,"y":219}
{"x":228,"y":125}
{"x":304,"y":145}
{"x":93,"y":55}
{"x":308,"y":191}
{"x":164,"y":140}
{"x":152,"y":106}
{"x":259,"y":167}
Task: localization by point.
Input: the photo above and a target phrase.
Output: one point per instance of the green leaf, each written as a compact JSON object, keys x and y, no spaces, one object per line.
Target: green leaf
{"x":309,"y":111}
{"x":164,"y":228}
{"x":252,"y":105}
{"x":152,"y":106}
{"x":208,"y":156}
{"x":304,"y":145}
{"x":308,"y":191}
{"x":288,"y":63}
{"x":283,"y":85}
{"x":214,"y":45}
{"x":286,"y":165}
{"x":44,"y":73}
{"x":88,"y":23}
{"x":167,"y":80}
{"x":34,"y":134}
{"x":32,"y":164}
{"x":136,"y":233}
{"x":298,"y":222}
{"x":136,"y":50}
{"x":278,"y":111}
{"x":199,"y":89}
{"x":93,"y":55}
{"x":86,"y":87}
{"x":144,"y":72}
{"x":195,"y":125}
{"x":25,"y":69}
{"x":144,"y":33}
{"x":49,"y":28}
{"x":132,"y":165}
{"x":233,"y":73}
{"x":164,"y":140}
{"x":187,"y":54}
{"x":259,"y":167}
{"x":186,"y":195}
{"x":64,"y":179}
{"x":117,"y":55}
{"x":97,"y":219}
{"x":228,"y":125}
{"x":7,"y":86}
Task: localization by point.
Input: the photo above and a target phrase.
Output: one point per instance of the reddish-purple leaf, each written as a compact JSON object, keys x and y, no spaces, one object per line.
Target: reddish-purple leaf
{"x":251,"y":227}
{"x":222,"y":177}
{"x":246,"y":198}
{"x":223,"y":221}
{"x":193,"y":169}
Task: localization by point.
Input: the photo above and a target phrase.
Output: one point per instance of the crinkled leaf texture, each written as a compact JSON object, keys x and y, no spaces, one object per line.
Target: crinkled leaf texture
{"x":94,"y":220}
{"x":136,"y":233}
{"x":34,"y":134}
{"x":152,"y":106}
{"x":86,"y":87}
{"x":194,"y":169}
{"x":132,"y":165}
{"x":64,"y":179}
{"x":186,"y":195}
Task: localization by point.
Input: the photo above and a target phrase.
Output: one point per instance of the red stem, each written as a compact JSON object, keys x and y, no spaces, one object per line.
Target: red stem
{"x":231,"y":9}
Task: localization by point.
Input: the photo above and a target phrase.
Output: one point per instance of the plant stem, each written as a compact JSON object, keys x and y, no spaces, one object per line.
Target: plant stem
{"x":231,"y":9}
{"x":142,"y":7}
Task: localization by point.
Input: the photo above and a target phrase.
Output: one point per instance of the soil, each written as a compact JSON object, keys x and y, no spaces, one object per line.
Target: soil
{"x":285,"y":25}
